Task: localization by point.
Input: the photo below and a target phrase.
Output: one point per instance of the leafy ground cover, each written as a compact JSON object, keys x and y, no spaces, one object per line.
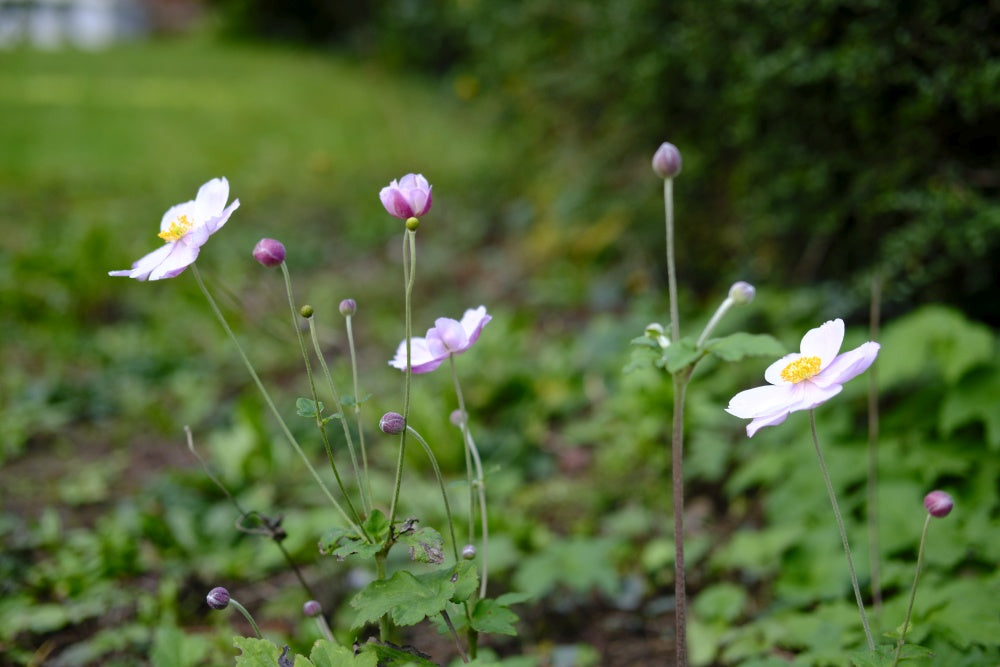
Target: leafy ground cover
{"x":112,"y":535}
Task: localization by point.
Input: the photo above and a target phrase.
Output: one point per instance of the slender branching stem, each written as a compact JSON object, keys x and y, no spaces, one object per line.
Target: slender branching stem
{"x":873,"y":528}
{"x":367,"y":489}
{"x":440,"y":480}
{"x":913,"y":592}
{"x":724,"y":307}
{"x":271,"y":405}
{"x":320,"y":425}
{"x":409,"y":271}
{"x":318,"y":350}
{"x":246,"y":614}
{"x":479,"y":483}
{"x":843,"y":531}
{"x":668,"y":204}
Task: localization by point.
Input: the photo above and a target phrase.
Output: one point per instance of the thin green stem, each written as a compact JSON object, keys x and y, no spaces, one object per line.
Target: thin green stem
{"x":271,"y":405}
{"x":320,"y":426}
{"x":454,"y":634}
{"x":913,"y":592}
{"x":318,"y":349}
{"x":367,"y":490}
{"x":246,"y":614}
{"x":843,"y":531}
{"x":440,"y":479}
{"x":668,"y":204}
{"x":726,"y":304}
{"x":873,"y":425}
{"x":677,"y":479}
{"x":480,"y":480}
{"x":409,"y":269}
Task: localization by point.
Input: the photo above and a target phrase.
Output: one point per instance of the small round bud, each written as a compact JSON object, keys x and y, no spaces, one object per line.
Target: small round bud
{"x":218,"y":598}
{"x":457,"y":417}
{"x":742,"y":293}
{"x":468,"y":552}
{"x":269,"y":252}
{"x":654,"y":330}
{"x":348,"y":307}
{"x":667,"y":161}
{"x":392,"y":423}
{"x":412,"y":224}
{"x":312,"y":608}
{"x":938,"y":503}
{"x":306,"y":311}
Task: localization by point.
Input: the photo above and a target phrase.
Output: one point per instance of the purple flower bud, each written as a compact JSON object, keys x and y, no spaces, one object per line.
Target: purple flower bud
{"x":468,"y":552}
{"x":667,"y":161}
{"x":312,"y":608}
{"x":457,"y":417}
{"x":269,"y":252}
{"x":742,"y":293}
{"x":410,"y":197}
{"x":348,"y":307}
{"x":392,"y":423}
{"x":938,"y":503}
{"x":218,"y":598}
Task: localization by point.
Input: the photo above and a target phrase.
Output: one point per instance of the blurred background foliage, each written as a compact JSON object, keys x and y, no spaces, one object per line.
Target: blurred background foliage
{"x":824,"y":144}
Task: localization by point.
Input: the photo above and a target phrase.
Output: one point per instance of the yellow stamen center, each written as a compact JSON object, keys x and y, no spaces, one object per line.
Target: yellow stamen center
{"x":177,"y":229}
{"x":801,"y":369}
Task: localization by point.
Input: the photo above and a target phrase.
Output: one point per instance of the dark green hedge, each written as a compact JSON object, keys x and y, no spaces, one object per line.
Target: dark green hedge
{"x":822,"y":140}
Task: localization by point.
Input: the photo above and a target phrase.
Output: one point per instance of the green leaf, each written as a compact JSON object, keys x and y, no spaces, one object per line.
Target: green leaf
{"x":466,"y":582}
{"x":330,"y":654}
{"x":681,"y":354}
{"x":491,"y":616}
{"x":307,"y":407}
{"x":389,"y":655}
{"x":348,"y":401}
{"x":426,"y":545}
{"x":377,"y":525}
{"x":343,"y":542}
{"x":406,"y":598}
{"x":263,"y":653}
{"x":738,"y":346}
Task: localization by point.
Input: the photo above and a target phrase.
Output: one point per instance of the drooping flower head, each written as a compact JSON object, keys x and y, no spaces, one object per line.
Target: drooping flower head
{"x":805,"y":379}
{"x":445,"y":338}
{"x":410,"y":197}
{"x":185,"y":228}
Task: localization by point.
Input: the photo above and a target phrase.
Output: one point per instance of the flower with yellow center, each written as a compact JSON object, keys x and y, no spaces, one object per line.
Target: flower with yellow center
{"x":185,"y":228}
{"x":805,"y":379}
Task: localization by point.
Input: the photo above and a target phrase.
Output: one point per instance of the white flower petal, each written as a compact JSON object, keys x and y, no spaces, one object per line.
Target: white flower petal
{"x":848,"y":365}
{"x":179,"y":258}
{"x":773,"y":372}
{"x":759,"y":401}
{"x":175,"y":212}
{"x":451,"y":334}
{"x":761,"y":422}
{"x":211,"y":199}
{"x":142,"y":267}
{"x":824,"y":341}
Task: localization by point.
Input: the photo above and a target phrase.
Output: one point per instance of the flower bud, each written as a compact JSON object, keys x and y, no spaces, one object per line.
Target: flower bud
{"x":667,"y":161}
{"x":938,"y":503}
{"x":269,"y":252}
{"x":348,"y":307}
{"x":392,"y":423}
{"x":654,"y":331}
{"x":218,"y":598}
{"x":457,"y":417}
{"x":306,"y":311}
{"x":468,"y":552}
{"x":742,"y":293}
{"x":312,"y":608}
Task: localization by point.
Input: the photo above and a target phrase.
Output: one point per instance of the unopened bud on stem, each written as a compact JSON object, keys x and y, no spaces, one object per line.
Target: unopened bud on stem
{"x":667,"y":161}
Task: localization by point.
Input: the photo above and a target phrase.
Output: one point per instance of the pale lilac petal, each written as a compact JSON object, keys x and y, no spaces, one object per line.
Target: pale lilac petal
{"x":473,"y":322}
{"x":824,"y":341}
{"x":211,"y":199}
{"x":808,"y":395}
{"x":450,"y":333}
{"x":848,"y":365}
{"x":759,"y":401}
{"x":142,"y":267}
{"x":414,"y":182}
{"x":773,"y":372}
{"x":761,"y":422}
{"x":216,"y":223}
{"x":179,"y":258}
{"x":423,"y":360}
{"x":420,"y":201}
{"x":395,"y":203}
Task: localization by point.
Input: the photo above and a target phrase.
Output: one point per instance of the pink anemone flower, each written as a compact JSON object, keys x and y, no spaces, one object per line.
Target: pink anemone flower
{"x":446,"y":338}
{"x":805,"y":379}
{"x":185,"y":228}
{"x":410,"y":197}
